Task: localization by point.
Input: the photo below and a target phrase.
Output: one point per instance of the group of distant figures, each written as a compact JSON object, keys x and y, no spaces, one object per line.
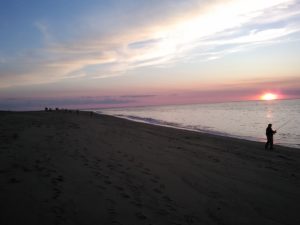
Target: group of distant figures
{"x":66,"y":110}
{"x":62,"y":110}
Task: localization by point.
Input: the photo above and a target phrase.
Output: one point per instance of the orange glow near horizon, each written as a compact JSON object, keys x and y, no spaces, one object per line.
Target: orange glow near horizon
{"x":268,"y":96}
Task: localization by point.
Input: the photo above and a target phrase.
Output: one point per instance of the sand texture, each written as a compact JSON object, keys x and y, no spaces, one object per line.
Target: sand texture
{"x":68,"y":168}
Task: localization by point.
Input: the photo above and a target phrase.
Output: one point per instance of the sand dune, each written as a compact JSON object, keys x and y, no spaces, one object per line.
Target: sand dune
{"x":68,"y":168}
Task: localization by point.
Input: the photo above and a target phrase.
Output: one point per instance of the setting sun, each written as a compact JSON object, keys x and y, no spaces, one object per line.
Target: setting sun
{"x":268,"y":96}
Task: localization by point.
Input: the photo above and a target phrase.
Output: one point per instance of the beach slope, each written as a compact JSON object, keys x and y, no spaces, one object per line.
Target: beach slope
{"x":68,"y":168}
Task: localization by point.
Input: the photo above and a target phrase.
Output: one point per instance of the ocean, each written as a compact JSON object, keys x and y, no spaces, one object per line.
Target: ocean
{"x":245,"y":120}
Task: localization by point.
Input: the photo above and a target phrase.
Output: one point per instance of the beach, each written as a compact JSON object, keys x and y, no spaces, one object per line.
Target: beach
{"x":81,"y":168}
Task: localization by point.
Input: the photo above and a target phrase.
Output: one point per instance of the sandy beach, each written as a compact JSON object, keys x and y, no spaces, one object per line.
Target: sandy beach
{"x":68,"y":168}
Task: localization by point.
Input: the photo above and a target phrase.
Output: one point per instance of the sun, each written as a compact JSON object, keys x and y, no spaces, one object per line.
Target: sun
{"x":268,"y":96}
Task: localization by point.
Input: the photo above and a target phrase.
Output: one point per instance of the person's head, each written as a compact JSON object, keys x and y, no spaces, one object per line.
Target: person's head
{"x":269,"y":125}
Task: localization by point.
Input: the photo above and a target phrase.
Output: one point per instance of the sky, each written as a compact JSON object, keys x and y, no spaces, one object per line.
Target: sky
{"x":119,"y":53}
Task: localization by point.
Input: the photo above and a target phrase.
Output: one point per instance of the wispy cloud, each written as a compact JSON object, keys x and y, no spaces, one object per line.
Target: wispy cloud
{"x":43,"y":29}
{"x":137,"y":96}
{"x":207,"y":31}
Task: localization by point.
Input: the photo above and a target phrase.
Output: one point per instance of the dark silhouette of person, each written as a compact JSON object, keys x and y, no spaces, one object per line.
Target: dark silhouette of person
{"x":269,"y":133}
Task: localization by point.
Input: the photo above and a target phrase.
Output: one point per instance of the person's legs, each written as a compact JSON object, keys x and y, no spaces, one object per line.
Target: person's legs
{"x":267,"y":144}
{"x":271,"y":143}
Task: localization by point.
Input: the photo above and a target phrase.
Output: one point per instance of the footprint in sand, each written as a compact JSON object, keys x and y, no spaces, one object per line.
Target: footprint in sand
{"x":146,"y":173}
{"x":163,"y":212}
{"x":97,"y":173}
{"x":154,"y":180}
{"x":110,"y":206}
{"x":124,"y":195}
{"x":14,"y":180}
{"x":190,"y":219}
{"x":56,"y":186}
{"x":137,"y":203}
{"x":140,"y":165}
{"x":131,"y":159}
{"x":110,"y":166}
{"x":170,"y":207}
{"x":156,"y":177}
{"x":101,"y":187}
{"x":119,"y":188}
{"x":56,"y":180}
{"x":140,"y":216}
{"x":59,"y":214}
{"x":107,"y":182}
{"x":167,"y":198}
{"x":4,"y":171}
{"x":157,"y":190}
{"x":116,"y":223}
{"x":57,"y":193}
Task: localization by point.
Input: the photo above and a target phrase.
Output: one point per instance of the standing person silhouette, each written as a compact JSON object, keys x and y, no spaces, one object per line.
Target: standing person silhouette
{"x":269,"y":133}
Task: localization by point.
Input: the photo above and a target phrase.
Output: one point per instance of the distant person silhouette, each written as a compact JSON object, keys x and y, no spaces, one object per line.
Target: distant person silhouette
{"x":269,"y":133}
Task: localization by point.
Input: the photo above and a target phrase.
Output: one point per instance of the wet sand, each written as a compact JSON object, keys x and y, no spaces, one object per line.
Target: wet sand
{"x":68,"y":168}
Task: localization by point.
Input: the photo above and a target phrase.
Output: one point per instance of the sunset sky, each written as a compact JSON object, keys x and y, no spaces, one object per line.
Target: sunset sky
{"x":96,"y":53}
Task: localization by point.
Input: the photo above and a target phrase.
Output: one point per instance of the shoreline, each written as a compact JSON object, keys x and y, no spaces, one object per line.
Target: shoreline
{"x":86,"y":168}
{"x":216,"y":133}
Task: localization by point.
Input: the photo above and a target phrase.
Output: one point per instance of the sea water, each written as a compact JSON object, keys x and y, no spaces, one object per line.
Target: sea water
{"x":246,"y":120}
